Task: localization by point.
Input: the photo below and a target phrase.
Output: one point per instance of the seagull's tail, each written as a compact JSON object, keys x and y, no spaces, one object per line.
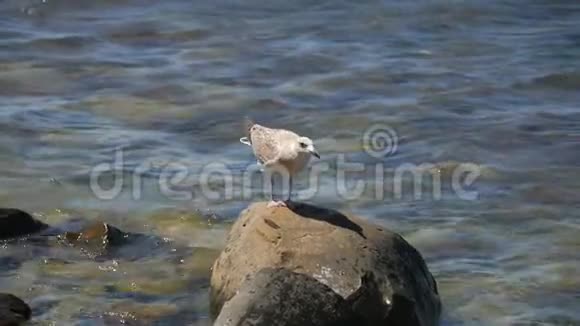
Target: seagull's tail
{"x":245,"y":141}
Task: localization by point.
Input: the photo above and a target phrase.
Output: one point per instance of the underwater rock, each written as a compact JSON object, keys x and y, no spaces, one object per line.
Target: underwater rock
{"x":95,"y":238}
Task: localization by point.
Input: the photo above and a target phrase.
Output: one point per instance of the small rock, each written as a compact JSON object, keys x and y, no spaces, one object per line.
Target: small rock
{"x":13,"y":311}
{"x":16,"y":223}
{"x":96,"y":238}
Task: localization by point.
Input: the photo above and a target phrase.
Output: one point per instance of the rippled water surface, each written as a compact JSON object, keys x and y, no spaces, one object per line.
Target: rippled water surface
{"x":167,"y":84}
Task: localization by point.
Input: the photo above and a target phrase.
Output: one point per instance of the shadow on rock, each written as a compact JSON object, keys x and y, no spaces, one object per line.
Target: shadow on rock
{"x":327,"y":215}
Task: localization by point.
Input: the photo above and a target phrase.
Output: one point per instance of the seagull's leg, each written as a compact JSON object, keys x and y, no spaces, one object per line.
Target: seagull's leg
{"x":274,"y":203}
{"x":289,"y":188}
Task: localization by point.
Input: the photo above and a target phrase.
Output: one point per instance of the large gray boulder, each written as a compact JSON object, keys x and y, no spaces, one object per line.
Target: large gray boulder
{"x":308,"y":257}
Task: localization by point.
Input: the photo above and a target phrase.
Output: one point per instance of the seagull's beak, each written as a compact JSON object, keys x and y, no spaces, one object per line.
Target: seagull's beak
{"x":315,"y":153}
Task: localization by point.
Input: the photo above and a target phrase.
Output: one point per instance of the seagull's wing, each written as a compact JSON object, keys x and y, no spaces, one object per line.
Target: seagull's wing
{"x":265,"y":144}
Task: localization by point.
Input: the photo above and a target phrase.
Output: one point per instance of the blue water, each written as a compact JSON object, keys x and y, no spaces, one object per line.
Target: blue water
{"x":495,"y":84}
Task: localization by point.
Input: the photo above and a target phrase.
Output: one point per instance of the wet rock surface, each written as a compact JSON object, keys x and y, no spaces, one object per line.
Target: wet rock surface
{"x":16,"y":223}
{"x":96,"y":236}
{"x":13,"y":311}
{"x":375,"y":273}
{"x":281,"y":297}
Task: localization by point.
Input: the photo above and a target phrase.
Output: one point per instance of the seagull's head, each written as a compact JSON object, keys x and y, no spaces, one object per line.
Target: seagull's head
{"x":306,"y":145}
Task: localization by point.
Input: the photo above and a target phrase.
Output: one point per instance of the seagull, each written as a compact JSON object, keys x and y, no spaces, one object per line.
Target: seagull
{"x":279,"y":150}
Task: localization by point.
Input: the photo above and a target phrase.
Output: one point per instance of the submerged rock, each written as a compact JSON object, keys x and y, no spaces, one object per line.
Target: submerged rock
{"x":13,"y":311}
{"x":16,"y":223}
{"x":375,"y":273}
{"x":95,"y":238}
{"x":96,"y":234}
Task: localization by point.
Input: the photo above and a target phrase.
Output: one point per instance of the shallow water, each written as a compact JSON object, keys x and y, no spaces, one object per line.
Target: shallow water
{"x":167,"y":84}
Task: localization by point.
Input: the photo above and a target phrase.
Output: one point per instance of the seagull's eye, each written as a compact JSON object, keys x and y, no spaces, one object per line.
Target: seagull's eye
{"x":303,"y":145}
